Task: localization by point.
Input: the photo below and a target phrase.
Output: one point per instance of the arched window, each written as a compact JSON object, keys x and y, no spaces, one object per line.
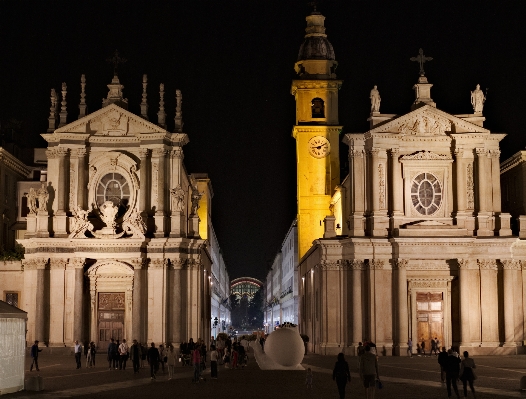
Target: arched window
{"x":318,"y":108}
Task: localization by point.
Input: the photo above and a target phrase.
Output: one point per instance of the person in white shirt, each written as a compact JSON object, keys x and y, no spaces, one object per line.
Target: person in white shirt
{"x":123,"y":354}
{"x":78,"y":354}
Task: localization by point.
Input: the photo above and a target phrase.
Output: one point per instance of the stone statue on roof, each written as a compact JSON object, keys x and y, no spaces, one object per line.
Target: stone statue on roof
{"x":477,"y":100}
{"x":375,"y":99}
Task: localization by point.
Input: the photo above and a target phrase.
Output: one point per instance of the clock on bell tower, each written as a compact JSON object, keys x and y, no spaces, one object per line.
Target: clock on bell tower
{"x":316,"y":130}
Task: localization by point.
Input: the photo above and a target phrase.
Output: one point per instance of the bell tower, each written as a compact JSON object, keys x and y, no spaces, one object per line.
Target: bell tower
{"x":316,"y":130}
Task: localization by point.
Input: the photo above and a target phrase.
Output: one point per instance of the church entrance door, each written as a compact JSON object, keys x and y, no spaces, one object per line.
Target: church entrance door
{"x":110,"y":318}
{"x":430,"y":318}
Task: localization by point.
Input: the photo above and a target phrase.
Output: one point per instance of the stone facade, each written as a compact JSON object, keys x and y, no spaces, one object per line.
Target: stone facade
{"x":113,"y":246}
{"x":415,"y":243}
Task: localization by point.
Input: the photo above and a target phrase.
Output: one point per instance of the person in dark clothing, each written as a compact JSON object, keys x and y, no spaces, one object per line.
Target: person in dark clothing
{"x":452,"y":371}
{"x":112,"y":352}
{"x":135,"y":354}
{"x":341,"y":374}
{"x":153,"y":360}
{"x":34,"y":356}
{"x":423,"y":347}
{"x":442,"y":360}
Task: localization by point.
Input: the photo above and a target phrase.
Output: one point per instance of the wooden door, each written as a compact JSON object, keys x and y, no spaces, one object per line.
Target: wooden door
{"x":110,"y":318}
{"x":430,"y":318}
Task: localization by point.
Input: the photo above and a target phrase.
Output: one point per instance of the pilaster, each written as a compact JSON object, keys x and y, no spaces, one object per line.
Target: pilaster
{"x":358,"y":267}
{"x":56,"y":301}
{"x":397,"y":212}
{"x":402,"y":321}
{"x":489,"y":297}
{"x":138,"y":306}
{"x":78,"y":308}
{"x":510,"y":274}
{"x":356,"y":219}
{"x":379,"y":223}
{"x":485,"y":203}
{"x":159,"y":179}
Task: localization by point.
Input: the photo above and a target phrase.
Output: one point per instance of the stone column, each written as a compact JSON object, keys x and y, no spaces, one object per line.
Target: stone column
{"x":489,"y":298}
{"x":357,"y":303}
{"x":177,"y":217}
{"x":78,"y":313}
{"x":397,"y":182}
{"x":144,"y":189}
{"x":484,"y":225}
{"x":139,"y":264}
{"x":61,"y":193}
{"x":357,"y":175}
{"x":509,"y":266}
{"x":41,"y":265}
{"x":81,"y":180}
{"x":177,"y":295}
{"x":375,"y":180}
{"x":160,"y":154}
{"x":461,"y":181}
{"x":403,"y":319}
{"x":502,"y":220}
{"x":465,"y":334}
{"x":57,"y":301}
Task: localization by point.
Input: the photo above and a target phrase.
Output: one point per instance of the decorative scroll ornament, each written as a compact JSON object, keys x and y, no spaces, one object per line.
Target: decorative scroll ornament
{"x":426,"y":156}
{"x":107,"y":213}
{"x":381,"y":190}
{"x":177,"y":194}
{"x":134,"y":225}
{"x":32,"y":201}
{"x":80,"y":223}
{"x":470,"y":192}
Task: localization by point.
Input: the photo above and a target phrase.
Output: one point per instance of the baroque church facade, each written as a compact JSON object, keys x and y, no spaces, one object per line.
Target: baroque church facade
{"x":118,"y":240}
{"x":413,"y":243}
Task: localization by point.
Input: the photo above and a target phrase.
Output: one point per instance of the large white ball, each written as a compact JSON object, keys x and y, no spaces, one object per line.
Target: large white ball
{"x":285,"y":347}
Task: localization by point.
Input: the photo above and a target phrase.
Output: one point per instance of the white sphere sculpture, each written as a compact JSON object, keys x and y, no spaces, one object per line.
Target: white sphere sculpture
{"x":285,"y":347}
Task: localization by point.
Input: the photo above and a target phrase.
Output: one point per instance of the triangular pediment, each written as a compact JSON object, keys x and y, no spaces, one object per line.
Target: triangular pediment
{"x":111,"y":120}
{"x":428,"y":121}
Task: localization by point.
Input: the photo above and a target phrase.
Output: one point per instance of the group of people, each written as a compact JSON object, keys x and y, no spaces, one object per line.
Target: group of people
{"x":452,"y":369}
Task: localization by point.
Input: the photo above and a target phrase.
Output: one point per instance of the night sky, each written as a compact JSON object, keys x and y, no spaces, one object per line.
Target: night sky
{"x":233,"y":61}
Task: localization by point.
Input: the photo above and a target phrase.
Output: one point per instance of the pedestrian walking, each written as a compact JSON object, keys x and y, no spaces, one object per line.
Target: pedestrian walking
{"x":437,"y":346}
{"x":452,"y":372}
{"x":308,"y":379}
{"x":153,"y":360}
{"x":340,"y":374}
{"x":409,"y":348}
{"x":423,"y":346}
{"x":135,"y":355}
{"x":87,"y":351}
{"x":361,"y":351}
{"x":220,"y":348}
{"x":144,"y":354}
{"x":171,"y":355}
{"x":162,"y":356}
{"x":93,"y":351}
{"x":196,"y":361}
{"x":214,"y":355}
{"x":226,"y":359}
{"x":34,"y":356}
{"x":467,"y":374}
{"x":369,"y":372}
{"x":113,"y":349}
{"x":78,"y":354}
{"x":123,"y":355}
{"x":442,"y":361}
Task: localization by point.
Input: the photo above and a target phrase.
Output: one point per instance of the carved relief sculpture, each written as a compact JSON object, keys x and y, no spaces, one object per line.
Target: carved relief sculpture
{"x":381,"y":190}
{"x":178,"y":195}
{"x":108,"y":212}
{"x":134,"y":225}
{"x":196,"y":197}
{"x":72,"y":187}
{"x":80,"y":223}
{"x":470,"y":187}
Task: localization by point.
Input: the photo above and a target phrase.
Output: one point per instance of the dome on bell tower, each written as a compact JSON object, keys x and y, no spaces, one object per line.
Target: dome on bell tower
{"x":316,"y":45}
{"x":316,"y":58}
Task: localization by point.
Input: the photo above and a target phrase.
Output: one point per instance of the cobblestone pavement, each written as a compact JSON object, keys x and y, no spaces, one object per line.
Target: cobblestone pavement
{"x":403,"y":377}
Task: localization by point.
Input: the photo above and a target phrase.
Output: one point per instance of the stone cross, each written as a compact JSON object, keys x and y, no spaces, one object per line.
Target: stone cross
{"x":421,"y":59}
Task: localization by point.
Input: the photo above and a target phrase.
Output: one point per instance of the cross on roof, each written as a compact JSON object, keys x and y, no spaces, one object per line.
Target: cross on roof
{"x":116,"y":60}
{"x":421,"y":59}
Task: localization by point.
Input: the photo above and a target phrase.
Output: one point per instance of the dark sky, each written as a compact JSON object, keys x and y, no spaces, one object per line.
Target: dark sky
{"x":233,"y":61}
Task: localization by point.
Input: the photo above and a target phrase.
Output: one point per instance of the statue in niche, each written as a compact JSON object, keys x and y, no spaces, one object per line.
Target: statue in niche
{"x":80,"y":223}
{"x":108,"y":211}
{"x":477,"y":100}
{"x":196,"y":197}
{"x":43,"y":197}
{"x":375,"y":99}
{"x":32,"y":201}
{"x":177,"y":194}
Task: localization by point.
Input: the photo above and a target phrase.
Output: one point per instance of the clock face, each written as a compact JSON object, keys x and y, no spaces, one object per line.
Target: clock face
{"x":319,"y":147}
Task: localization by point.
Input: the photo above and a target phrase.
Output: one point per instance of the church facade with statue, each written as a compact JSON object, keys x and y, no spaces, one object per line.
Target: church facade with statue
{"x":412,"y":244}
{"x":116,"y":236}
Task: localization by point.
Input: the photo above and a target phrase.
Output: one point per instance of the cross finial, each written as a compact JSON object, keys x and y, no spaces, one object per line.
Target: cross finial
{"x":116,"y":60}
{"x":421,"y":59}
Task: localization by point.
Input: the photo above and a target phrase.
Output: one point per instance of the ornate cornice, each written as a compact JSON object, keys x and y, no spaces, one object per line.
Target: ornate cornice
{"x":426,"y":155}
{"x":431,"y":282}
{"x":13,"y":163}
{"x":315,"y":84}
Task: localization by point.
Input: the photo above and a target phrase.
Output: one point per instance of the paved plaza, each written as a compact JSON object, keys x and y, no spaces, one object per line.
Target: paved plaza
{"x":417,"y":377}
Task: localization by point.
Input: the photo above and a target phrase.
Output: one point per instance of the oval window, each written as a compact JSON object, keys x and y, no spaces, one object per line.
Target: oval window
{"x":426,"y":194}
{"x":113,"y":187}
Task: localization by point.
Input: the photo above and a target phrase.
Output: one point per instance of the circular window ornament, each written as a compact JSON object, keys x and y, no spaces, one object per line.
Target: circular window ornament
{"x":426,"y":194}
{"x":115,"y":188}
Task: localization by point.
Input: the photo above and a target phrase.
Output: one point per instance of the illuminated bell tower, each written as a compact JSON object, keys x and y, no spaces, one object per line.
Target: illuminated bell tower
{"x":316,"y":130}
